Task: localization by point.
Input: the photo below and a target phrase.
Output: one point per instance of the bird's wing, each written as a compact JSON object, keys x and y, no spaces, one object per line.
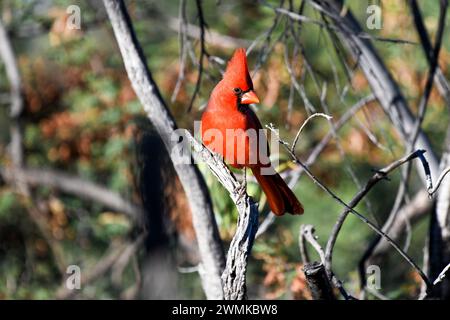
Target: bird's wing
{"x":253,"y":122}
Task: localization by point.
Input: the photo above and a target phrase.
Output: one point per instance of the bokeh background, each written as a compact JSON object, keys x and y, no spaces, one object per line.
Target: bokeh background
{"x":82,"y":118}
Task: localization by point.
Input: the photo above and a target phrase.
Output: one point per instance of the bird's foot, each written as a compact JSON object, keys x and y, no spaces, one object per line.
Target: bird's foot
{"x":242,"y":189}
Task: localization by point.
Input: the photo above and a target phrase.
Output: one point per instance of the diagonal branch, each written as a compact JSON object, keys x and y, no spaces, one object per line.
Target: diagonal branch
{"x":203,"y":53}
{"x":383,"y":86}
{"x":315,"y":272}
{"x":318,"y":149}
{"x":75,"y":186}
{"x":378,"y":176}
{"x":439,"y":239}
{"x":234,"y":275}
{"x":210,"y":245}
{"x":356,"y":213}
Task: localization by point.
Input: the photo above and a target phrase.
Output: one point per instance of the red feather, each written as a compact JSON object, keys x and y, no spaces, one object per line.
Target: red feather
{"x":225,"y":124}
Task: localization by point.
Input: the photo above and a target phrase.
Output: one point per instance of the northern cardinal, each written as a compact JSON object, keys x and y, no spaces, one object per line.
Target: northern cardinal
{"x":229,"y":127}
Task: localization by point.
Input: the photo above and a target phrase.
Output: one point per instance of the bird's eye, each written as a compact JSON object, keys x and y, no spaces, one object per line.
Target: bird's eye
{"x":237,"y":90}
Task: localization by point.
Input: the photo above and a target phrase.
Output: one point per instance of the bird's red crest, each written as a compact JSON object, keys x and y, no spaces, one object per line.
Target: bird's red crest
{"x":237,"y":71}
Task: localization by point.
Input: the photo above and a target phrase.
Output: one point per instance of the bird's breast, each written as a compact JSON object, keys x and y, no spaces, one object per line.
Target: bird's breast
{"x":233,"y":135}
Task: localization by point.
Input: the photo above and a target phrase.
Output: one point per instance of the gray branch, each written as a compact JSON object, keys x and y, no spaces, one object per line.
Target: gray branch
{"x":383,"y":86}
{"x":12,"y":72}
{"x":317,"y":281}
{"x":234,"y":275}
{"x":75,"y":186}
{"x":378,"y":176}
{"x":204,"y":222}
{"x":315,"y":273}
{"x":16,"y":97}
{"x":348,"y":208}
{"x":212,"y":37}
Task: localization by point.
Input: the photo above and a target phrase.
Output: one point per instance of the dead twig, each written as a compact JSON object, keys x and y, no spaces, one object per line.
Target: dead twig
{"x":317,"y":281}
{"x":234,"y":275}
{"x":377,"y":177}
{"x":432,"y":191}
{"x":314,"y":115}
{"x":203,"y":53}
{"x":210,"y":245}
{"x":442,"y":275}
{"x":320,"y":288}
{"x":297,"y":172}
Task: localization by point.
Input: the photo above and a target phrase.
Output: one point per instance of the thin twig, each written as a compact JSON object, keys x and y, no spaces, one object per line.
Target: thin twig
{"x":76,"y":186}
{"x":314,"y":115}
{"x":296,"y":173}
{"x":17,"y":152}
{"x":442,"y":275}
{"x":362,"y":35}
{"x":378,"y":176}
{"x":183,"y":48}
{"x":203,"y":52}
{"x":212,"y":38}
{"x":307,"y":233}
{"x":439,"y":181}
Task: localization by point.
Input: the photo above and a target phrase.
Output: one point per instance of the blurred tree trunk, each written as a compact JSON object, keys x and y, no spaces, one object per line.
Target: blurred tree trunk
{"x":168,"y":220}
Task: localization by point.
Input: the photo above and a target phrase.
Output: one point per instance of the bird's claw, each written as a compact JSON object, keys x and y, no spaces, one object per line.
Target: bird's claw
{"x":242,"y":190}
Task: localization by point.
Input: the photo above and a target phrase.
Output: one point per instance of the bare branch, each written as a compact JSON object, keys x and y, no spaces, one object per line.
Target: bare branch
{"x":415,"y":210}
{"x":320,"y":289}
{"x":439,"y":239}
{"x":380,"y":80}
{"x":182,"y":23}
{"x":362,"y":35}
{"x":16,"y":150}
{"x":378,"y":176}
{"x":205,"y":226}
{"x":307,"y":233}
{"x":442,"y":275}
{"x":438,"y":183}
{"x":234,"y":275}
{"x":297,"y":136}
{"x":297,"y":172}
{"x":76,"y":186}
{"x":123,"y":260}
{"x":12,"y":72}
{"x":212,"y":37}
{"x":203,"y":53}
{"x":432,"y":55}
{"x":317,"y":281}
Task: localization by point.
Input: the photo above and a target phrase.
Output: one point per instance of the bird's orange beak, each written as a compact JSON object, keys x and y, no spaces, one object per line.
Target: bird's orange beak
{"x":249,"y":98}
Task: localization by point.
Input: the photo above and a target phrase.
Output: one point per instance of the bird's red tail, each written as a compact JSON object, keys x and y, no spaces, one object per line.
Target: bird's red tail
{"x":281,"y":199}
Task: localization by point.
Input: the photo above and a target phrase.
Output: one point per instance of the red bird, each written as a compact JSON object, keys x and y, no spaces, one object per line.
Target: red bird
{"x":232,"y":129}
